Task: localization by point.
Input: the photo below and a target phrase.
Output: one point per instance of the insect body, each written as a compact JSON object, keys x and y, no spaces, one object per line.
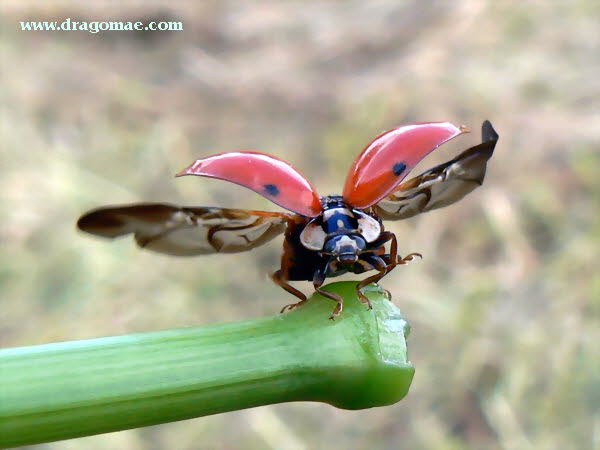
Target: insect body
{"x":324,"y":236}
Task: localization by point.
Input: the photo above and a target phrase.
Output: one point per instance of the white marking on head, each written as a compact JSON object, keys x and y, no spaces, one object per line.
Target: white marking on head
{"x":344,"y":240}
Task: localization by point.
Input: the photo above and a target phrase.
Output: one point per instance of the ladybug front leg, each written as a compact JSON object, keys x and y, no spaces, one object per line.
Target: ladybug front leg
{"x":383,"y":238}
{"x":318,"y":280}
{"x":388,"y":236}
{"x":393,"y":259}
{"x":377,"y":263}
{"x":278,"y":279}
{"x":399,"y":260}
{"x":407,"y":258}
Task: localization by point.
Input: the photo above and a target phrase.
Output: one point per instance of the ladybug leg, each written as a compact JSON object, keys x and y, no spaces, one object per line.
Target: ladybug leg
{"x":318,"y":280}
{"x":386,"y":258}
{"x":390,"y":259}
{"x":278,"y":279}
{"x":394,"y":259}
{"x":393,"y":251}
{"x":383,"y":238}
{"x":379,"y":264}
{"x":408,"y":258}
{"x":399,"y":260}
{"x":388,"y":294}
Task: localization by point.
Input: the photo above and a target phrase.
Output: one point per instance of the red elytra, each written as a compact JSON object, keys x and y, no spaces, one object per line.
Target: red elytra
{"x":384,"y":163}
{"x":267,"y":175}
{"x":375,"y":173}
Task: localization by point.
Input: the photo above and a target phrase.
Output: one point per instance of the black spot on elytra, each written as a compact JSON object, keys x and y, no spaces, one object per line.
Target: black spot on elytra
{"x":271,"y":189}
{"x":398,"y":168}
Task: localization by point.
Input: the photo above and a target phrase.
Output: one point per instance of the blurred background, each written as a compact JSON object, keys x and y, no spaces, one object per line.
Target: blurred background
{"x":505,"y":305}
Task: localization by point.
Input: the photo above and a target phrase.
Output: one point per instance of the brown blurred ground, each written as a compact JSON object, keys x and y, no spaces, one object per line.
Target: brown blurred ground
{"x":504,"y":307}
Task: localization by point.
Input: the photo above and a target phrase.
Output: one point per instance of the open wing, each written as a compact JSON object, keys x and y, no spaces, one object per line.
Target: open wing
{"x":185,"y":231}
{"x":441,"y":185}
{"x":382,"y":165}
{"x":271,"y":177}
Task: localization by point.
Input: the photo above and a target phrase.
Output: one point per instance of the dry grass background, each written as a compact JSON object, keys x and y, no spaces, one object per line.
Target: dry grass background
{"x":505,"y":305}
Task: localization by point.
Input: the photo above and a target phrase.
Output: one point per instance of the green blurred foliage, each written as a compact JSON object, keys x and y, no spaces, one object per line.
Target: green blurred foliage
{"x":505,"y":305}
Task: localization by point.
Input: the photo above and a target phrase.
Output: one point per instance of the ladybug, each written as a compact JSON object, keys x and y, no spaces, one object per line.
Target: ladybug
{"x":324,"y":236}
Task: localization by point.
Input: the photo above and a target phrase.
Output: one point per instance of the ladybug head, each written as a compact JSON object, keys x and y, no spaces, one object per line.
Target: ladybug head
{"x":345,"y":247}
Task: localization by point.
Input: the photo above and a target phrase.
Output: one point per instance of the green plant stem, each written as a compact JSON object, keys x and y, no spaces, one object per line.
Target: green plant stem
{"x":71,"y":389}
